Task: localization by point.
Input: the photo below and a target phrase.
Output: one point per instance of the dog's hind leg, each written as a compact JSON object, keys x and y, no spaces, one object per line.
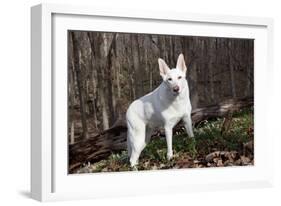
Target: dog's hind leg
{"x":137,"y":143}
{"x":141,"y":138}
{"x":136,"y":151}
{"x":136,"y":134}
{"x":129,"y":148}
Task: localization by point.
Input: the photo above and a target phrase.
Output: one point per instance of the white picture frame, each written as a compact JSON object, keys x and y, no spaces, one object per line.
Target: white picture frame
{"x":49,"y":178}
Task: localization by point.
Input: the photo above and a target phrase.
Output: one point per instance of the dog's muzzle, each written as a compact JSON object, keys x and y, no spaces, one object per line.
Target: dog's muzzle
{"x":176,"y":89}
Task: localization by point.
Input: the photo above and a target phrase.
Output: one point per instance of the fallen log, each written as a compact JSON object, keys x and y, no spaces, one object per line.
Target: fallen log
{"x":98,"y":147}
{"x":221,"y":109}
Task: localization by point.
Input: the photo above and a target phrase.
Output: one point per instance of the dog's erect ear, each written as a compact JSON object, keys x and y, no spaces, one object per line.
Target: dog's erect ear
{"x":163,"y":67}
{"x":181,"y":63}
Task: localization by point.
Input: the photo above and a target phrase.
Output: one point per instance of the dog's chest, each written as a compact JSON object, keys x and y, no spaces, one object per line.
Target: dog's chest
{"x":167,"y":114}
{"x":175,"y":111}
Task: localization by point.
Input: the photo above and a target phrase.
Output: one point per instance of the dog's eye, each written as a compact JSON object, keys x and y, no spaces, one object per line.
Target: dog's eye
{"x":170,"y":79}
{"x":179,"y":77}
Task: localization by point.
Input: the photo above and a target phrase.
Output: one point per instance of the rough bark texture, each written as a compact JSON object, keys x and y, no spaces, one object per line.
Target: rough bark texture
{"x":100,"y":146}
{"x":79,"y":78}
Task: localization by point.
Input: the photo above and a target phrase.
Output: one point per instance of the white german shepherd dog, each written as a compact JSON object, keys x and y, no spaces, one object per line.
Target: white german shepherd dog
{"x":164,"y":107}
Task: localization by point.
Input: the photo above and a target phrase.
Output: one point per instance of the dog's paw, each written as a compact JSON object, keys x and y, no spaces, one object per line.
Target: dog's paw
{"x":169,"y":156}
{"x":134,"y":168}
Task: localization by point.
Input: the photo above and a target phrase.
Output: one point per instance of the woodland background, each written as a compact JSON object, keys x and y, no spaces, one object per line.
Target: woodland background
{"x":107,"y":71}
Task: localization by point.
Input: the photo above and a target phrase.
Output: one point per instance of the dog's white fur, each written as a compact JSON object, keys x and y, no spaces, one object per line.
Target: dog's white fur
{"x":164,"y":107}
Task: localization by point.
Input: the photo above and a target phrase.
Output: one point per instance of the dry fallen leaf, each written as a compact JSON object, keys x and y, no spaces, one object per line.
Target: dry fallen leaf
{"x":238,"y":162}
{"x":245,"y":160}
{"x":211,"y":156}
{"x":196,"y":161}
{"x":154,"y":167}
{"x":219,"y":163}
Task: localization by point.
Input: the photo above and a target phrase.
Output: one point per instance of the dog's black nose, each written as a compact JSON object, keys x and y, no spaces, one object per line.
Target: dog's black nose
{"x":176,"y":88}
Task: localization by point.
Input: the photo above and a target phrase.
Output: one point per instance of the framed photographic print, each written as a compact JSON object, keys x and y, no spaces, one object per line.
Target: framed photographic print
{"x":135,"y":102}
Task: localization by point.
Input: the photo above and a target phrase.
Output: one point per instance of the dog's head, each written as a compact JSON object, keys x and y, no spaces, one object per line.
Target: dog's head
{"x":174,"y":78}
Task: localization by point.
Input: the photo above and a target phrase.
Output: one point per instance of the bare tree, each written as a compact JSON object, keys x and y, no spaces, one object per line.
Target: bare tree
{"x":78,"y":71}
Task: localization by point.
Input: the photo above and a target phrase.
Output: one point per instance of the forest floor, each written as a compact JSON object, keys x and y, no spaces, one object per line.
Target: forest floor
{"x":210,"y":148}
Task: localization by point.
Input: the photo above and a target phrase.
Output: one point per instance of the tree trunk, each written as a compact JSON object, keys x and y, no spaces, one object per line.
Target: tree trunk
{"x":136,"y":65}
{"x":117,"y":69}
{"x":231,"y":67}
{"x":100,"y":65}
{"x":212,"y":56}
{"x":93,"y":80}
{"x":78,"y":71}
{"x":109,"y":77}
{"x":72,"y":140}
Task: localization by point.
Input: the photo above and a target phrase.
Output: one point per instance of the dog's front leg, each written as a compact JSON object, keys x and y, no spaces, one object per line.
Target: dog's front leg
{"x":169,"y":135}
{"x":188,"y":125}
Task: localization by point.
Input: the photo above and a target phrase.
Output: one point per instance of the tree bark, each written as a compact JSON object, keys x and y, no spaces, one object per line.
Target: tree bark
{"x":72,"y":138}
{"x":100,"y":65}
{"x":78,"y":71}
{"x":231,"y":67}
